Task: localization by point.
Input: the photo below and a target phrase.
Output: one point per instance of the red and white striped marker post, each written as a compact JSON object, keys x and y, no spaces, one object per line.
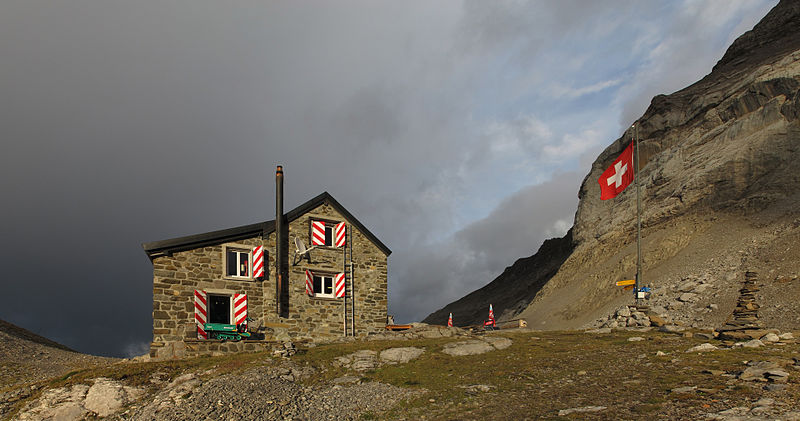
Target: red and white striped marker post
{"x":450,"y":320}
{"x":491,"y":312}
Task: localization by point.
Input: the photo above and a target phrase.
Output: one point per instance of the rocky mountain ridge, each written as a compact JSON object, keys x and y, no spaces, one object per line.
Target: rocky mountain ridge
{"x":720,"y":188}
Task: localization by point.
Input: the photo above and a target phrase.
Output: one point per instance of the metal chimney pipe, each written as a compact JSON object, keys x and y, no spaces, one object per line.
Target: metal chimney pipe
{"x":278,"y":237}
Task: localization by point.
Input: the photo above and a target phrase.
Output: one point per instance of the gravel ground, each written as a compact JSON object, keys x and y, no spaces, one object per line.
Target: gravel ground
{"x":268,"y":393}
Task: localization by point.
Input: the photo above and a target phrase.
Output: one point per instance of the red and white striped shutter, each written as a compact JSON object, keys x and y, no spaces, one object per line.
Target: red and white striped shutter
{"x":258,"y":262}
{"x":309,"y":283}
{"x":200,"y":312}
{"x":239,"y":308}
{"x":340,"y":234}
{"x":317,"y":233}
{"x":339,"y":285}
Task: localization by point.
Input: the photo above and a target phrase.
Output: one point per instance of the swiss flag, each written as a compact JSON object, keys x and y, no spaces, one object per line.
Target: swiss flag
{"x":618,"y":176}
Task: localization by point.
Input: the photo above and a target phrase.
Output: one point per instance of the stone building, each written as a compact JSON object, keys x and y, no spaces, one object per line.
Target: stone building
{"x":327,"y":292}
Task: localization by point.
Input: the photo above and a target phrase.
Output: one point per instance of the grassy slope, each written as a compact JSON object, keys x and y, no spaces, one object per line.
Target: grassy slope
{"x":540,"y":374}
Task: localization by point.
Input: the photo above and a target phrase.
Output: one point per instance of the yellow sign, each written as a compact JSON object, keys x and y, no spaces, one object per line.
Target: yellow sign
{"x":626,"y":282}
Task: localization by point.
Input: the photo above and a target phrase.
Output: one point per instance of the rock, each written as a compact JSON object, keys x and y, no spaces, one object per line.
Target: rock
{"x":755,"y":343}
{"x":498,"y":342}
{"x":705,"y":347}
{"x":776,"y":375}
{"x":635,"y":339}
{"x":58,"y":404}
{"x":400,"y":355}
{"x":671,"y":329}
{"x":600,"y":330}
{"x":765,"y":402}
{"x":657,"y":321}
{"x":764,"y":370}
{"x":623,"y":312}
{"x":660,"y":354}
{"x":687,"y":297}
{"x":475,"y":388}
{"x":775,"y":387}
{"x":471,"y":347}
{"x":786,"y":336}
{"x":685,"y":389}
{"x":105,"y":397}
{"x":688,"y":286}
{"x":363,"y":360}
{"x":770,"y":338}
{"x":582,"y":409}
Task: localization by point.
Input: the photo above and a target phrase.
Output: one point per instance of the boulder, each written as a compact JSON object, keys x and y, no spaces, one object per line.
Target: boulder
{"x":704,"y":347}
{"x":400,"y":355}
{"x":471,"y":347}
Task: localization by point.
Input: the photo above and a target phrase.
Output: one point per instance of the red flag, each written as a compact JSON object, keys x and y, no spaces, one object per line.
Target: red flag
{"x":618,"y":176}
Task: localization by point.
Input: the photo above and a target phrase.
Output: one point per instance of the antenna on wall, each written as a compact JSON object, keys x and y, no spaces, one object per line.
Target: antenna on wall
{"x":300,"y":250}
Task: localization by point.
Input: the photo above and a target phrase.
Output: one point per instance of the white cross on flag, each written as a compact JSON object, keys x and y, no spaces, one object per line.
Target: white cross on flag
{"x":618,"y":176}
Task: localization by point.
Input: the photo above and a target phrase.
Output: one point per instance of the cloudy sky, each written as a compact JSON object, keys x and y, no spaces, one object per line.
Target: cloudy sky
{"x":457,"y":131}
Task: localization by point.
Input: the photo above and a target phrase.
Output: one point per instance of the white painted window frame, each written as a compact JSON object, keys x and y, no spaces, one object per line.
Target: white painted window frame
{"x":240,"y":248}
{"x":320,"y":294}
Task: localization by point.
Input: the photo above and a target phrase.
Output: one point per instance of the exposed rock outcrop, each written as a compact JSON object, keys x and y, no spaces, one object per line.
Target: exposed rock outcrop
{"x":720,"y":185}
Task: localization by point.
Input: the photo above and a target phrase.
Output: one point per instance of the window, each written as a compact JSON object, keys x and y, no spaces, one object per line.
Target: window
{"x":324,"y":233}
{"x":219,"y":309}
{"x":237,"y":262}
{"x":323,"y":286}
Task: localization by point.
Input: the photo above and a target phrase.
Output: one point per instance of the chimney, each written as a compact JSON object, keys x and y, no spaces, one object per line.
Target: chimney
{"x":279,"y":240}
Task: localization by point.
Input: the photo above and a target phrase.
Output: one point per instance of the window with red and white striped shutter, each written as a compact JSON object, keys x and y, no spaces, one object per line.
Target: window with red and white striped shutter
{"x":258,"y":262}
{"x":317,"y":233}
{"x":309,"y":283}
{"x":239,"y":308}
{"x":200,"y":312}
{"x":339,"y":285}
{"x":341,"y":231}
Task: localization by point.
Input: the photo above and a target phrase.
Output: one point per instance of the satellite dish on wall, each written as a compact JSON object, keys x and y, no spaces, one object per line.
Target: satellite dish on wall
{"x":300,"y":249}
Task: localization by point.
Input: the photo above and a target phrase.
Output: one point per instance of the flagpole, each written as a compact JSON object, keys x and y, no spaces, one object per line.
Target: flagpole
{"x":638,"y":216}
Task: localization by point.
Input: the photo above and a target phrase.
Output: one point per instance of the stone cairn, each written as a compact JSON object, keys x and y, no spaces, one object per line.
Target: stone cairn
{"x":744,"y":323}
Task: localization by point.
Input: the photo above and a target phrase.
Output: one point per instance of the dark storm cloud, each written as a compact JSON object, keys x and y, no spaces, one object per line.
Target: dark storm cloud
{"x":125,"y":122}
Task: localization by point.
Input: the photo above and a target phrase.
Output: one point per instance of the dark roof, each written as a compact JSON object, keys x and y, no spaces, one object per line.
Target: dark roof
{"x":166,"y":247}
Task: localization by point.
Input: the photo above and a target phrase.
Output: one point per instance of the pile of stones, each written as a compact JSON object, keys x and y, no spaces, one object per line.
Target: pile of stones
{"x":633,"y":317}
{"x":744,"y":323}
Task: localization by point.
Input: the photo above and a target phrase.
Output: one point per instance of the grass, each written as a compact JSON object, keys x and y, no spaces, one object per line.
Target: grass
{"x":540,"y":374}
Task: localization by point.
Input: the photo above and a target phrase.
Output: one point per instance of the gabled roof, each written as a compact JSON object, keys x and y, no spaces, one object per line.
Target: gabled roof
{"x":167,"y":247}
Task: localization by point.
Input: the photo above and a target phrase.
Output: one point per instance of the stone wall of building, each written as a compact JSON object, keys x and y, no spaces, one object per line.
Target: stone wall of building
{"x":176,"y":277}
{"x":313,"y":317}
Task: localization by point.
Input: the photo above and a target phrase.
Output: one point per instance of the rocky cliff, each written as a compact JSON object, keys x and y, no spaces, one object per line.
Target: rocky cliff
{"x":719,"y":174}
